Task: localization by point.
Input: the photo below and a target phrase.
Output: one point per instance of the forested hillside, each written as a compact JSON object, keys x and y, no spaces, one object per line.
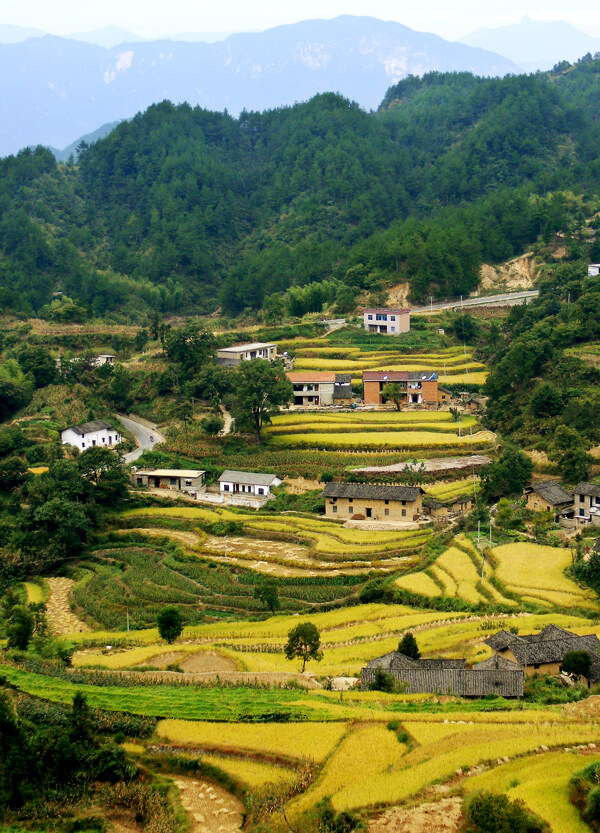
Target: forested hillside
{"x":182,"y":209}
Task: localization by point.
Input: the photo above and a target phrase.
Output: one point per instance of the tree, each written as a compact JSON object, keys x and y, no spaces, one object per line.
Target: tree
{"x":490,"y":813}
{"x":304,"y":642}
{"x":395,"y":392}
{"x":508,"y":475}
{"x":408,"y":646}
{"x":190,"y":347}
{"x":569,"y":454}
{"x":383,"y":681}
{"x":212,"y":425}
{"x":262,"y":387}
{"x":266,"y":592}
{"x":170,"y":623}
{"x":546,"y":401}
{"x":20,"y":627}
{"x":578,"y":663}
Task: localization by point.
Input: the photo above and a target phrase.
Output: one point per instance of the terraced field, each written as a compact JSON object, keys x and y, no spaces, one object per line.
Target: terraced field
{"x":377,"y":430}
{"x":519,"y":573}
{"x":454,"y":365}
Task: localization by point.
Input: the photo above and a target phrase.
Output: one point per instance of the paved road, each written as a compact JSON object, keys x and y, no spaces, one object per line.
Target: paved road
{"x":146,"y":437}
{"x":481,"y":301}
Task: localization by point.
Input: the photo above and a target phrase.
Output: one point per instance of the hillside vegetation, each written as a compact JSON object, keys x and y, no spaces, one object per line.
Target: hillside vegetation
{"x":183,"y":209}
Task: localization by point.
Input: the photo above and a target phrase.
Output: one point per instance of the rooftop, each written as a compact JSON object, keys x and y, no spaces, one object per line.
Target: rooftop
{"x":171,"y":472}
{"x":309,"y":376}
{"x":240,"y":348}
{"x":385,"y":311}
{"x":370,"y":491}
{"x":398,"y":376}
{"x":89,"y":427}
{"x":591,"y":489}
{"x":548,"y":646}
{"x":552,"y":492}
{"x":246,"y":478}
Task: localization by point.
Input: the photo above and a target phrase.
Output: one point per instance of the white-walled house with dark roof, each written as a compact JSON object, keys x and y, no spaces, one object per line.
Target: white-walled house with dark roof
{"x":89,"y":434}
{"x":247,"y":483}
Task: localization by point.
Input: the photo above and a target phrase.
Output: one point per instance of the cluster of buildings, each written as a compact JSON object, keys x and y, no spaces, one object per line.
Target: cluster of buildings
{"x":235,"y":487}
{"x":503,"y":674}
{"x":569,"y":509}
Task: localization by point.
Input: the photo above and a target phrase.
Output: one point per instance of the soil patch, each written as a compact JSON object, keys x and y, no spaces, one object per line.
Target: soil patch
{"x":436,"y":817}
{"x":61,"y":619}
{"x":210,"y":808}
{"x":201,"y":662}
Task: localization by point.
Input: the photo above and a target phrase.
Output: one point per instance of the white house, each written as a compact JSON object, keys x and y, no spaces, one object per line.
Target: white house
{"x":593,"y":270}
{"x":106,"y":358}
{"x":317,"y":388}
{"x":89,"y":434}
{"x":247,"y":482}
{"x":232,"y":356}
{"x":587,"y":503}
{"x":387,"y":321}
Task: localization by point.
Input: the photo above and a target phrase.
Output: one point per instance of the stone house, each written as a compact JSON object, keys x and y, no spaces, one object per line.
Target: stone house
{"x":587,"y":503}
{"x":543,"y":652}
{"x":90,"y":434}
{"x":435,"y":508}
{"x":318,"y":388}
{"x":549,"y":496}
{"x":418,"y":388}
{"x":190,"y":481}
{"x":387,"y":321}
{"x":373,"y":502}
{"x":247,"y":483}
{"x":500,"y":677}
{"x":232,"y":356}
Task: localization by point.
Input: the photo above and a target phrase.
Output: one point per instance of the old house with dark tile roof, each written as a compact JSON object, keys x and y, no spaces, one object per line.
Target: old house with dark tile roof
{"x":549,"y":496}
{"x":373,"y":502}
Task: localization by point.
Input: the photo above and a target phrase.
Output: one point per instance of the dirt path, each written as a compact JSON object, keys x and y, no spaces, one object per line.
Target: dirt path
{"x":437,"y":817}
{"x":61,"y":619}
{"x":211,"y":808}
{"x":227,"y":423}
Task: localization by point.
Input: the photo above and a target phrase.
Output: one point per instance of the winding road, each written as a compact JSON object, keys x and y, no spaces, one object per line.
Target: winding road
{"x":146,"y":437}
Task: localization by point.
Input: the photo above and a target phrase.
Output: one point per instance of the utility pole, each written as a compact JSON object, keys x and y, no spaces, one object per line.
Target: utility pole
{"x":127,"y":612}
{"x":431,"y":303}
{"x":478,"y":531}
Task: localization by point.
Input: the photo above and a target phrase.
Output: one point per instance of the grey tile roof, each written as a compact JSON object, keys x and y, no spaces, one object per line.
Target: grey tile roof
{"x":499,"y":641}
{"x":89,"y":427}
{"x":395,"y":661}
{"x":370,"y":491}
{"x":497,"y":662}
{"x":548,"y":646}
{"x":247,"y":478}
{"x":432,"y":503}
{"x":591,"y":489}
{"x":553,"y":492}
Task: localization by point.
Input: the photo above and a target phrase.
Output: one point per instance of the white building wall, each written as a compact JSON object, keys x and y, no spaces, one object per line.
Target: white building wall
{"x":105,"y":437}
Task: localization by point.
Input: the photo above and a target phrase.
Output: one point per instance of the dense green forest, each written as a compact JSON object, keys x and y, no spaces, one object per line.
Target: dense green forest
{"x":181,"y":209}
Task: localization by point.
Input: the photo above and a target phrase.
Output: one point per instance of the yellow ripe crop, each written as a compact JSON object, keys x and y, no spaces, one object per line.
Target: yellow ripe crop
{"x":459,"y":566}
{"x":250,"y":773}
{"x":541,"y":782}
{"x":290,"y":740}
{"x":419,"y":583}
{"x":447,"y":491}
{"x":378,"y":439}
{"x":366,"y":752}
{"x":35,"y":593}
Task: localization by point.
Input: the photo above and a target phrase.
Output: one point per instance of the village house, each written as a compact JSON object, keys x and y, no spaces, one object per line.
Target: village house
{"x":247,"y":483}
{"x":435,"y":508}
{"x":388,"y":321}
{"x":499,"y":677}
{"x":106,"y":358}
{"x":593,"y":270}
{"x":543,"y":652}
{"x":418,"y":388}
{"x":190,"y":481}
{"x":318,"y":388}
{"x":549,"y":496}
{"x":232,"y":356}
{"x":587,"y":503}
{"x":370,"y":501}
{"x":89,"y":434}
{"x":444,"y":396}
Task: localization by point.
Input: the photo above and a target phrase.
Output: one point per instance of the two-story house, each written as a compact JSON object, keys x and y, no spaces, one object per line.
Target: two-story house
{"x":317,"y":388}
{"x":372,"y":502}
{"x":587,"y":503}
{"x":418,"y":387}
{"x":387,"y":321}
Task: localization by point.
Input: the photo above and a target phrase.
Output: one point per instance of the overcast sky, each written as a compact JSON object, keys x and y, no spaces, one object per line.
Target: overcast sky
{"x":152,"y":18}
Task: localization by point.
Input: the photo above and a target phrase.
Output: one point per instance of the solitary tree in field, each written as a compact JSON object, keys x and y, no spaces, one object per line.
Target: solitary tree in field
{"x":408,"y":646}
{"x":170,"y":623}
{"x":266,"y":592}
{"x":304,"y":641}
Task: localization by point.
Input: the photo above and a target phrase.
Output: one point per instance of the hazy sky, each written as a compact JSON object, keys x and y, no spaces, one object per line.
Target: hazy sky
{"x":151,"y":18}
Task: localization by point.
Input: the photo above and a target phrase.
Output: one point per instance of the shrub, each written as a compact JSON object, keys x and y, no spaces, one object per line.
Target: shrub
{"x":489,"y":813}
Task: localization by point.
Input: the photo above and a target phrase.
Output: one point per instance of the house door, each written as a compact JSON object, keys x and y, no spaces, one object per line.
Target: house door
{"x":369,"y":512}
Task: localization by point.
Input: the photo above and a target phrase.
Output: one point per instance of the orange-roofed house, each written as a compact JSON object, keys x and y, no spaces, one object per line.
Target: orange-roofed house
{"x":387,"y":321}
{"x":317,"y":388}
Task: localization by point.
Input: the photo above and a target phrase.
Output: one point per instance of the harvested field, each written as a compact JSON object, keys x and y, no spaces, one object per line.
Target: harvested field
{"x":61,"y":619}
{"x":435,"y":464}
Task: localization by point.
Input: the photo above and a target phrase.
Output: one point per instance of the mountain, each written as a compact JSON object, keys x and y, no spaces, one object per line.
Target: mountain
{"x":107,"y":37}
{"x":535,"y":44}
{"x":202,"y":37}
{"x":181,"y":208}
{"x":17,"y":34}
{"x":71,"y":150}
{"x":53,"y":90}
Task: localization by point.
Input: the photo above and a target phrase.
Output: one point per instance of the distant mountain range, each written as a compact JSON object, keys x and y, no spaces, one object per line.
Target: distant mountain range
{"x":535,"y":44}
{"x":53,"y":90}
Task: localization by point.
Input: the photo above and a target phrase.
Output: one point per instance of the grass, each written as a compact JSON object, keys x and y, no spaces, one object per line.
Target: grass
{"x":35,"y":592}
{"x":541,"y":782}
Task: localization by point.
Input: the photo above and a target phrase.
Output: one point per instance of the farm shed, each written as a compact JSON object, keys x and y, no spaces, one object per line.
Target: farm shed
{"x":447,"y":676}
{"x":190,"y":481}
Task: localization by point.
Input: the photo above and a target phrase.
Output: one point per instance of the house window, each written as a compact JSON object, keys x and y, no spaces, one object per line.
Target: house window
{"x":225,"y":487}
{"x":334,"y":508}
{"x":386,"y":511}
{"x":350,"y":509}
{"x":393,"y":329}
{"x":387,"y":502}
{"x":404,"y":513}
{"x":536,"y":665}
{"x":110,"y":440}
{"x":140,"y":481}
{"x":369,"y":512}
{"x":403,"y":503}
{"x":260,"y":491}
{"x":103,"y":440}
{"x":172,"y":481}
{"x":188,"y":482}
{"x":370,"y":317}
{"x":83,"y":445}
{"x":93,"y":442}
{"x":380,"y":317}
